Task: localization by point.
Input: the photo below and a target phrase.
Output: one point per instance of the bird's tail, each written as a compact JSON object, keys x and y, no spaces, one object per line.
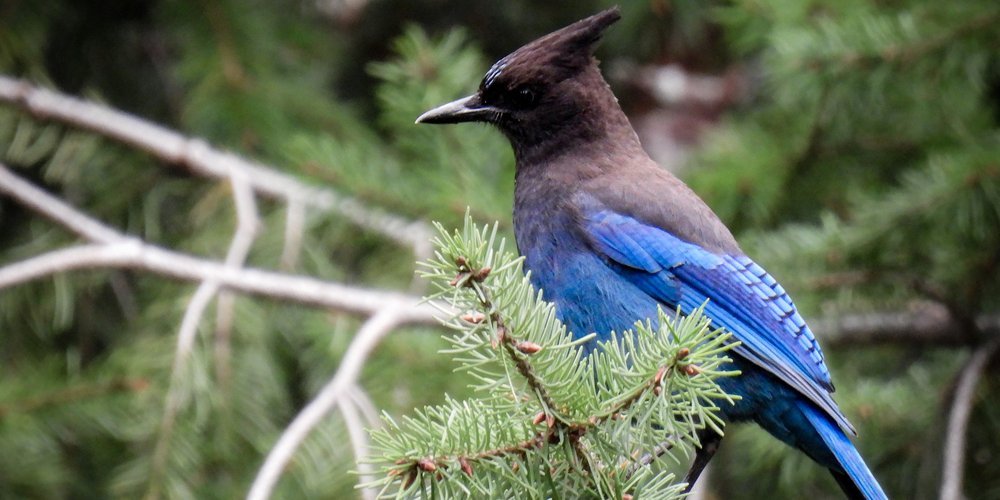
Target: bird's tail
{"x":854,"y":477}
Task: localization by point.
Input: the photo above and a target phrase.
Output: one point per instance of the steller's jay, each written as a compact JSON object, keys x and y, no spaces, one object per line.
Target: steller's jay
{"x":609,"y":236}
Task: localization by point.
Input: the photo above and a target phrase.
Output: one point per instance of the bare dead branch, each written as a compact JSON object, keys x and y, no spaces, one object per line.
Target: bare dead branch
{"x":372,"y":420}
{"x":924,"y":323}
{"x":958,"y":420}
{"x":44,"y":203}
{"x":366,"y":405}
{"x":371,"y":333}
{"x":200,"y":158}
{"x":295,"y":221}
{"x":246,"y":229}
{"x":359,"y":442}
{"x":116,"y":250}
{"x":247,"y":226}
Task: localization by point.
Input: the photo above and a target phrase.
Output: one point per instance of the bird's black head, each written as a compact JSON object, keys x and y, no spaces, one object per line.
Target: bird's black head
{"x":548,"y":89}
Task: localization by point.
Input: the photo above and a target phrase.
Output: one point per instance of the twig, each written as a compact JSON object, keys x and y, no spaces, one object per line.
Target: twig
{"x":359,"y":442}
{"x":364,"y":403}
{"x":958,"y":421}
{"x":247,"y":226}
{"x":295,"y":221}
{"x":364,"y":342}
{"x":239,"y":247}
{"x":200,"y":158}
{"x":922,"y":324}
{"x":55,"y":209}
{"x":648,"y":458}
{"x":116,"y":250}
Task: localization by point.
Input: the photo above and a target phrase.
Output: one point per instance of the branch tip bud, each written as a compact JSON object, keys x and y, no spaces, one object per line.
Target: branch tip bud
{"x":427,"y":465}
{"x":483,"y":273}
{"x":528,"y":347}
{"x":473,"y":317}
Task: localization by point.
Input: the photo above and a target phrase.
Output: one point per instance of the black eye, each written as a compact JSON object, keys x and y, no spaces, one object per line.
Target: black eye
{"x":523,"y":97}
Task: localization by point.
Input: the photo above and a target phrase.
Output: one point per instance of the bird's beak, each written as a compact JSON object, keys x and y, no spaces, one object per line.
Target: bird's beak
{"x":466,"y":109}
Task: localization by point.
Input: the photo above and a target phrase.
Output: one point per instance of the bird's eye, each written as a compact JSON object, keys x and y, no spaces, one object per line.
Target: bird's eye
{"x":524,"y":97}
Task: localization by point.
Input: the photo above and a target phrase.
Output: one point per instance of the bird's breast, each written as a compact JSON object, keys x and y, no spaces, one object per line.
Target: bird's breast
{"x":590,"y":297}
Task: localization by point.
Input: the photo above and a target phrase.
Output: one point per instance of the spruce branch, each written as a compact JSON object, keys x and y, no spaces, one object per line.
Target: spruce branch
{"x":878,"y":40}
{"x":556,"y":414}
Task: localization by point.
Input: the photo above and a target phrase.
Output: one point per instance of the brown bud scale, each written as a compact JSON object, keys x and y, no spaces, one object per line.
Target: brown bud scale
{"x":528,"y":347}
{"x":659,"y":375}
{"x":483,"y":273}
{"x":473,"y":317}
{"x":427,"y":465}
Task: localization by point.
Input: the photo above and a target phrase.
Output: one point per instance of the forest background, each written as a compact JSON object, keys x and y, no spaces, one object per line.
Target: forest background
{"x":852,"y":146}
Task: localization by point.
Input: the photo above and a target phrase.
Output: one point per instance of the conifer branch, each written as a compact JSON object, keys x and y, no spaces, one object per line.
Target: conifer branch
{"x":919,"y":324}
{"x":200,"y":158}
{"x":247,"y":225}
{"x":112,"y":249}
{"x":359,"y":440}
{"x":295,"y":221}
{"x":902,"y":52}
{"x":958,"y":419}
{"x":570,"y":416}
{"x":332,"y":394}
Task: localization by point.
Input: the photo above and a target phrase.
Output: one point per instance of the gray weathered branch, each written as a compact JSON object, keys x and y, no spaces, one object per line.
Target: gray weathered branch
{"x":111,"y":249}
{"x":924,"y":323}
{"x":200,"y":158}
{"x":958,"y":420}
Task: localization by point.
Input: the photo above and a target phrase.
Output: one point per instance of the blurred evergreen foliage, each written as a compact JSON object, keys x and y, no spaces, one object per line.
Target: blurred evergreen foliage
{"x":863,"y":173}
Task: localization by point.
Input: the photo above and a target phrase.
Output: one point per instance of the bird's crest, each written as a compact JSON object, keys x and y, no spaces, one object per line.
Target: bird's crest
{"x":562,"y":52}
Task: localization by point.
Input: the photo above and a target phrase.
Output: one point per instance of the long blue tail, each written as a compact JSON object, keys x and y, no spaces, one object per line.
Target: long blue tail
{"x":855,"y":478}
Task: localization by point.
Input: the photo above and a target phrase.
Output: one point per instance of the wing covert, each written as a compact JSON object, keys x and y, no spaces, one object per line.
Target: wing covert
{"x":741,"y":297}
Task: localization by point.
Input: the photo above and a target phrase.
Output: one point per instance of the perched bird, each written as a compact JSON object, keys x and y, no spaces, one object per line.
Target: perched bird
{"x":609,"y":236}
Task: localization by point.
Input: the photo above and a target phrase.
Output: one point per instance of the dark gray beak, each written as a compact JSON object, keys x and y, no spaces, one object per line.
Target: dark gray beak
{"x":466,"y":109}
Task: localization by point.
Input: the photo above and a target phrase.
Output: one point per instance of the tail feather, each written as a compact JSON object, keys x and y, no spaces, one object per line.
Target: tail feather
{"x":854,"y":478}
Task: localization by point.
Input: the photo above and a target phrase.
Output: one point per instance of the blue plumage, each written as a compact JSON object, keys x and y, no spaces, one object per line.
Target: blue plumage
{"x":610,"y":237}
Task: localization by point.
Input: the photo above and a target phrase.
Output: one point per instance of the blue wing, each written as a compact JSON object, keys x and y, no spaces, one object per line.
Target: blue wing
{"x":742,"y":298}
